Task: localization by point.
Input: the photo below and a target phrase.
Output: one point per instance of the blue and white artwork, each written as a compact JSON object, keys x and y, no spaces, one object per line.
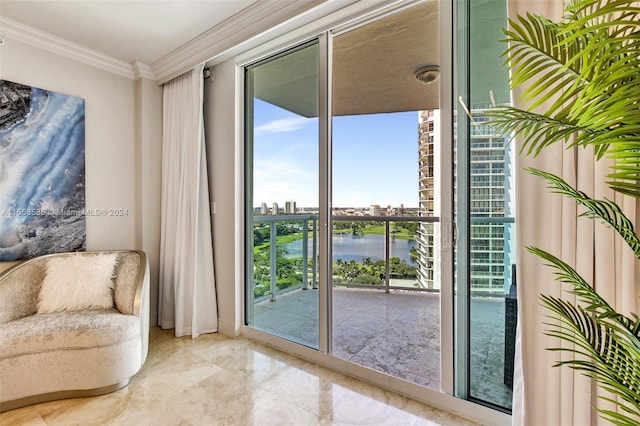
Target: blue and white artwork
{"x":42,"y":172}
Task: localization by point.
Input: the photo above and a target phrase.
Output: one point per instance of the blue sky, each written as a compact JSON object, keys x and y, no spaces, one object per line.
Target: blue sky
{"x":374,"y":158}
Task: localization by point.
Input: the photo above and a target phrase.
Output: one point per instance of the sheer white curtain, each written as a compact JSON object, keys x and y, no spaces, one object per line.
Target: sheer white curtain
{"x":559,"y":396}
{"x":187,"y":296}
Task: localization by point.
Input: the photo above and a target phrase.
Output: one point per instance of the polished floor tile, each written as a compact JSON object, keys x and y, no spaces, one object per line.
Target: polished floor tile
{"x":396,"y":333}
{"x":214,"y":380}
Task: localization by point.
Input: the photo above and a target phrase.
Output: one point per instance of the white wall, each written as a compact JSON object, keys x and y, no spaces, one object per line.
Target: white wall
{"x":149,"y":176}
{"x":122,"y":144}
{"x":220,"y":131}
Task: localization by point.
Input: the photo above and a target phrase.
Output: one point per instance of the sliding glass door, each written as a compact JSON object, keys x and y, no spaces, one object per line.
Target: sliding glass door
{"x":485,"y":199}
{"x":343,"y":194}
{"x":282,"y":194}
{"x":379,"y":211}
{"x":386,"y":195}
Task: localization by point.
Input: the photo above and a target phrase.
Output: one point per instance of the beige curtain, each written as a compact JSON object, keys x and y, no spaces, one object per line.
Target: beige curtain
{"x":559,"y":396}
{"x":187,"y":294}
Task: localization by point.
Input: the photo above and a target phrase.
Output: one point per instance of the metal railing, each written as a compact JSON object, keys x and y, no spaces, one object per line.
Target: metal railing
{"x":309,"y":225}
{"x":311,"y":219}
{"x":305,"y":219}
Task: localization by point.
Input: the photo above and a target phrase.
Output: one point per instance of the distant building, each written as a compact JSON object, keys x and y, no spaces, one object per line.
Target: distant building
{"x":374,"y":210}
{"x":290,"y":207}
{"x":428,"y":238}
{"x":491,"y":196}
{"x":274,"y":208}
{"x":263,"y":208}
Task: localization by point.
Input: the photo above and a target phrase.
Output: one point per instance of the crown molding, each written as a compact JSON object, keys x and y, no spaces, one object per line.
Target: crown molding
{"x":262,"y":19}
{"x":33,"y":37}
{"x":142,"y":70}
{"x":258,"y":18}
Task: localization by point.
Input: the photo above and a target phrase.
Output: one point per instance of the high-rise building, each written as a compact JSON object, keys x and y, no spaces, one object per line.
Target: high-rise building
{"x":428,"y":237}
{"x":374,"y":210}
{"x":274,"y":208}
{"x":491,"y":157}
{"x":492,"y":204}
{"x":263,"y":208}
{"x":290,"y":207}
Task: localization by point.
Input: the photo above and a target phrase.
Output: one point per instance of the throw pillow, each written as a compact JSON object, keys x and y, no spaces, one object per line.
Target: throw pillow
{"x":77,"y":282}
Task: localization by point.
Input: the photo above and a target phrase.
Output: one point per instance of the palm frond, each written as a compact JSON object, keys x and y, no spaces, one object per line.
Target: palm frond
{"x":594,"y":303}
{"x":534,"y":58}
{"x":539,"y":131}
{"x":626,"y":170}
{"x":601,"y":354}
{"x":587,"y":67}
{"x":605,"y":210}
{"x":581,"y":288}
{"x":619,"y":17}
{"x":630,"y":189}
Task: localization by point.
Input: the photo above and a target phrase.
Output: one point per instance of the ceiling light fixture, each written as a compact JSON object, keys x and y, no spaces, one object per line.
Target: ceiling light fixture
{"x":428,"y":74}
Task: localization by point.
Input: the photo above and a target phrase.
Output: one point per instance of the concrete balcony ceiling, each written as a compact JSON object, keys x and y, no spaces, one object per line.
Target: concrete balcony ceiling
{"x":373,"y":68}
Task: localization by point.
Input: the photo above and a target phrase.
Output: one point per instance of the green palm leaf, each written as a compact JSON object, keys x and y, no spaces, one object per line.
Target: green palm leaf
{"x":534,"y":57}
{"x":581,"y":288}
{"x":607,"y":342}
{"x":539,"y":131}
{"x":605,"y":210}
{"x":603,"y":355}
{"x":587,"y":68}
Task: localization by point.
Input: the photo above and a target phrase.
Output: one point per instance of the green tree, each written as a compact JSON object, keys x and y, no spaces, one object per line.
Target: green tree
{"x":414,"y":254}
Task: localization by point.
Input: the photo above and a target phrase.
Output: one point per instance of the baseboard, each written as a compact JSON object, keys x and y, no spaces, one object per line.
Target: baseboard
{"x":228,"y":329}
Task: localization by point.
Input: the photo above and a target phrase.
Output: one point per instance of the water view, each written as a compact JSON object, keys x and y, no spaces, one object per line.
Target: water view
{"x":347,"y":247}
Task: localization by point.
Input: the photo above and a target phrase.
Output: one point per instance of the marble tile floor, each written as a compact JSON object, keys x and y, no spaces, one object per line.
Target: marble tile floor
{"x":395,"y":333}
{"x":215,"y":380}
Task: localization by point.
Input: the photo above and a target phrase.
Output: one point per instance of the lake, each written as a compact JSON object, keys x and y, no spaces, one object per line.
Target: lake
{"x":358,"y":247}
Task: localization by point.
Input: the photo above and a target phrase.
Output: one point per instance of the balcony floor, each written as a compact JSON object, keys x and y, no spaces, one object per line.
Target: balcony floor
{"x":395,"y":333}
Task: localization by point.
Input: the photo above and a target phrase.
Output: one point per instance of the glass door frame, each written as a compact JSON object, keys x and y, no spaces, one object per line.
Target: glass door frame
{"x":324,"y":212}
{"x":325,"y":39}
{"x":454,"y":355}
{"x":462,"y":215}
{"x":248,"y":140}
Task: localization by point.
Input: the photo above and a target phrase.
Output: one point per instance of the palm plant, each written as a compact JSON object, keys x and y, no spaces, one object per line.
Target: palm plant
{"x":583,"y":74}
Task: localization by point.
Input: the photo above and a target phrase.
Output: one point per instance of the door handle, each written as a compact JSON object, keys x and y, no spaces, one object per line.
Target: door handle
{"x":449,"y":232}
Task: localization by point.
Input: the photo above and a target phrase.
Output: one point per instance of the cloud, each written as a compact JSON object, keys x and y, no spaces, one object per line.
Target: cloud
{"x":282,"y":125}
{"x":283,"y":180}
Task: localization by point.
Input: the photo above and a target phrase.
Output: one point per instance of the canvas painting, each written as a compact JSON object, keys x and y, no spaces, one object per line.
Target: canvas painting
{"x":42,"y":172}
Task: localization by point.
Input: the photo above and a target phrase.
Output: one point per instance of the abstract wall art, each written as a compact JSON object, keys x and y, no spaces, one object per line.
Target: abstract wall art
{"x":42,"y":172}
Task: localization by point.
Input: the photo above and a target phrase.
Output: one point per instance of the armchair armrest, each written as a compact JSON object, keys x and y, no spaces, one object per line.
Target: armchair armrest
{"x":19,"y":289}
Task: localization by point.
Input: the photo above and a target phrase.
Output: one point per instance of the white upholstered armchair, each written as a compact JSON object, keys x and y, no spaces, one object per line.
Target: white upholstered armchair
{"x":49,"y":353}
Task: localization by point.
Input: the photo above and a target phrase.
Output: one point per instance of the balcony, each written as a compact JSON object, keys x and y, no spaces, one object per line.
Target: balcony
{"x":392,"y":325}
{"x":396,"y":333}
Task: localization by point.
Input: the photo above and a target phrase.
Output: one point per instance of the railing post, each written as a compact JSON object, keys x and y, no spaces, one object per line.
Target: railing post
{"x":387,"y":248}
{"x":272,"y":257}
{"x":314,"y":251}
{"x":305,"y":254}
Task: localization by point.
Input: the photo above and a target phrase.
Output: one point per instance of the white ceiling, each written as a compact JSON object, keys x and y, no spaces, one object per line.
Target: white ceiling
{"x":374,"y":68}
{"x":142,"y":30}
